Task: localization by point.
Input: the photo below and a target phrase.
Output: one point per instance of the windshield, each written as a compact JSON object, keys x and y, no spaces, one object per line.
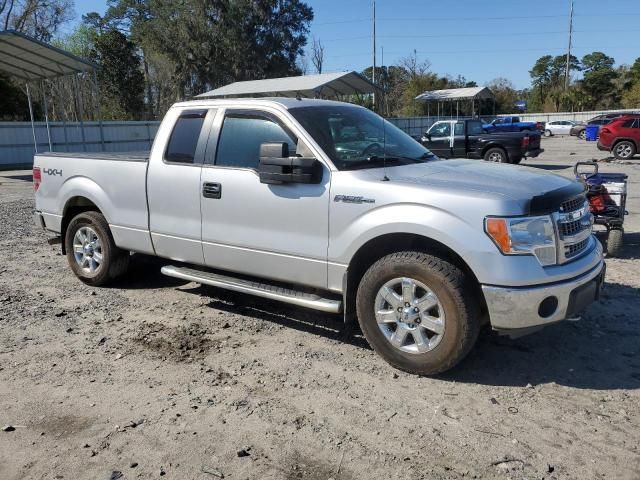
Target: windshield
{"x":355,"y":137}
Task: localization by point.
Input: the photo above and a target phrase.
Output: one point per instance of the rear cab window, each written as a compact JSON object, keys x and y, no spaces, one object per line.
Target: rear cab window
{"x":187,"y":138}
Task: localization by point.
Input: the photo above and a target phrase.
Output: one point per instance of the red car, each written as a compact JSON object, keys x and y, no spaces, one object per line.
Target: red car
{"x":621,"y":136}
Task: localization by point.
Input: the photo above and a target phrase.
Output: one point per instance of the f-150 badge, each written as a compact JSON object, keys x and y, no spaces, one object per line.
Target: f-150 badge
{"x":352,"y":199}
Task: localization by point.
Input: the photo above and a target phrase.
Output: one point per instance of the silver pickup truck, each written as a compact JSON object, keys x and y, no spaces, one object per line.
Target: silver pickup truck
{"x":326,"y":205}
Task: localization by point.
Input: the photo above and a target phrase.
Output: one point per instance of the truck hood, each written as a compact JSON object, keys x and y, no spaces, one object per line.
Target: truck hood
{"x":478,"y":178}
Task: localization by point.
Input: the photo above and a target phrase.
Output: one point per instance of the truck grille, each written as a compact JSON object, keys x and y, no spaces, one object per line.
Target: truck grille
{"x":574,"y":228}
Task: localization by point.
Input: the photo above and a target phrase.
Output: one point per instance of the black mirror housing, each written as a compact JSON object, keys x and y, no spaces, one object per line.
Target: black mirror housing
{"x":277,"y":167}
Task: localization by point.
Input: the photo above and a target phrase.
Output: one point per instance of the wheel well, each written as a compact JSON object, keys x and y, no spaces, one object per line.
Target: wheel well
{"x":384,"y":245}
{"x":494,"y":145}
{"x":618,"y":140}
{"x":73,"y":207}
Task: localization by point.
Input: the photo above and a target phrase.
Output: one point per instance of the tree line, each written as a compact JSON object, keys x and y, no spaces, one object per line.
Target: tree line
{"x":151,"y":53}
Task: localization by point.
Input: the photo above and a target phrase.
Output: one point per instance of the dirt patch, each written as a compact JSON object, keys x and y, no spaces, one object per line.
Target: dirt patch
{"x":181,"y":344}
{"x":62,"y":426}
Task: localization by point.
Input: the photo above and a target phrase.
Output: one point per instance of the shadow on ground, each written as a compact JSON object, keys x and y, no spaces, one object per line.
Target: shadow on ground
{"x":602,"y":351}
{"x":24,"y":178}
{"x":631,"y":246}
{"x":550,"y":167}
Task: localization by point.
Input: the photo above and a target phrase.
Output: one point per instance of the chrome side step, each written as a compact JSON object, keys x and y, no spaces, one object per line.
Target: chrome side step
{"x":264,"y":290}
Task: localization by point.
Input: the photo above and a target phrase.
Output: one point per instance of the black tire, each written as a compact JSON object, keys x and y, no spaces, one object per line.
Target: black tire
{"x":114,"y":262}
{"x":624,"y":150}
{"x":615,"y":240}
{"x":547,"y":133}
{"x":582,"y":134}
{"x":496,"y":154}
{"x":448,"y":283}
{"x":516,"y":160}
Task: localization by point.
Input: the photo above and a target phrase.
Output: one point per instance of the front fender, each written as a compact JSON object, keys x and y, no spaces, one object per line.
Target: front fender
{"x":468,"y":241}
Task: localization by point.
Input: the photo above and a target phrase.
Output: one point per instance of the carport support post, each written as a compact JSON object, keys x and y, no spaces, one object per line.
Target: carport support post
{"x":457,"y":113}
{"x":95,"y":83}
{"x":46,"y":113}
{"x":473,"y":108}
{"x":33,"y":127}
{"x":79,"y":109}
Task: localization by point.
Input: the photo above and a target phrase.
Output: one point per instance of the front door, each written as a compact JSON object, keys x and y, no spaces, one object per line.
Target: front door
{"x":263,"y":230}
{"x":459,"y":140}
{"x":439,"y":139}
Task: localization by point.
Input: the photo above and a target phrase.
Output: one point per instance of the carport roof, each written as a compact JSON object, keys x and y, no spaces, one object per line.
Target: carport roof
{"x":26,"y":58}
{"x":309,"y":86}
{"x":471,"y":93}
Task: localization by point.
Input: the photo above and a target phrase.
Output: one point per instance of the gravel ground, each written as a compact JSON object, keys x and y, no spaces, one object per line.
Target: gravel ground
{"x":160,"y":378}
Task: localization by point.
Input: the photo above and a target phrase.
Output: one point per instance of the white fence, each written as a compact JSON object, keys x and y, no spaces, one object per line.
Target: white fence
{"x":16,"y":139}
{"x":575,"y":116}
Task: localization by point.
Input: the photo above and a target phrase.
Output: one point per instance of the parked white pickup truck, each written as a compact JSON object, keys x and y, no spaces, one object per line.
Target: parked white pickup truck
{"x":325,"y":205}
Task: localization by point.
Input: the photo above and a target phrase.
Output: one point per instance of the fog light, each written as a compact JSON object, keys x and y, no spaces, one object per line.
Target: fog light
{"x":548,"y":307}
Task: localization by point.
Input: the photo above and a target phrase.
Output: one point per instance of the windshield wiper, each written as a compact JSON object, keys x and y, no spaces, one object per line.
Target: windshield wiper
{"x":377,"y":160}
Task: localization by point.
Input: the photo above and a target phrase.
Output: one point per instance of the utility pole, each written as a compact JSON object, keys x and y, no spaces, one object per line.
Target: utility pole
{"x":373,"y":72}
{"x":566,"y":72}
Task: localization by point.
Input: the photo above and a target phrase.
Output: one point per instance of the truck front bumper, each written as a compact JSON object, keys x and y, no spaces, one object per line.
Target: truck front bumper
{"x":521,"y":308}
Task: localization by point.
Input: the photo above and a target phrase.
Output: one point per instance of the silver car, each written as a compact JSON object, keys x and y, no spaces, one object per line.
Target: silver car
{"x":559,"y":127}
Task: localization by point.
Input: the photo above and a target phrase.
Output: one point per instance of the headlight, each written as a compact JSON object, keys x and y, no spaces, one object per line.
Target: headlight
{"x":524,"y":236}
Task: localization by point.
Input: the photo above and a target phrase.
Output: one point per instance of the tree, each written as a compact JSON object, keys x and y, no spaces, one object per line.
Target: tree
{"x":39,"y":18}
{"x":631,"y":98}
{"x":317,"y":55}
{"x":548,"y":80}
{"x":598,"y":77}
{"x":505,"y":93}
{"x":119,"y":76}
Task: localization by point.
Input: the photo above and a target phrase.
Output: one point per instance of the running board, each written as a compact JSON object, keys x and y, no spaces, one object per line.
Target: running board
{"x":264,"y":290}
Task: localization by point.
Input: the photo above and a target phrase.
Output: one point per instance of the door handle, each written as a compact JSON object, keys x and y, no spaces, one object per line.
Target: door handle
{"x":211,"y":190}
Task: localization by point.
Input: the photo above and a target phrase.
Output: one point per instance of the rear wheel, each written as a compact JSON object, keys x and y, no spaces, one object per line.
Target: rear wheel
{"x":582,"y":135}
{"x":91,"y":252}
{"x":615,"y":240}
{"x":624,"y":150}
{"x":496,"y":154}
{"x":417,"y":312}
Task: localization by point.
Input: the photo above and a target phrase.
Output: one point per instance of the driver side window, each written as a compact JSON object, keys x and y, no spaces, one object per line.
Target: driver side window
{"x":441,"y":130}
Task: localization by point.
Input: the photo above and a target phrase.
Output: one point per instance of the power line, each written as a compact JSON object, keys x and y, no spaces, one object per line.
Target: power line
{"x":532,"y":34}
{"x":474,"y":19}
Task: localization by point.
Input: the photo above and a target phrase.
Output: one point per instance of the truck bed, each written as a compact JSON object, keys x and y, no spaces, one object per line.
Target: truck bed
{"x":142,"y":156}
{"x":114,"y":182}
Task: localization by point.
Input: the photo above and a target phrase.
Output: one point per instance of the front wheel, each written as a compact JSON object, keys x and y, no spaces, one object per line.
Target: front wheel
{"x":624,"y":150}
{"x":417,"y":312}
{"x":91,"y":252}
{"x":547,"y":133}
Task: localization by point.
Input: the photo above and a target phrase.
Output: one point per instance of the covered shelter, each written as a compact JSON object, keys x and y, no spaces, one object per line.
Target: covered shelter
{"x":475,"y":96}
{"x":34,"y":62}
{"x":323,"y":85}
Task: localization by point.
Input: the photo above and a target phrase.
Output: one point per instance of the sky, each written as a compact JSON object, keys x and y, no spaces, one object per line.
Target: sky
{"x":479,"y":39}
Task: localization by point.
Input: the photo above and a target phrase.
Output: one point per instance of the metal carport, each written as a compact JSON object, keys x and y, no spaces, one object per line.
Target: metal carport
{"x":31,"y":60}
{"x":469,"y":94}
{"x":323,"y":85}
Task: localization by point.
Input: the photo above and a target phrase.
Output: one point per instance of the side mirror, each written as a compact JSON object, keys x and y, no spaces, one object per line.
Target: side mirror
{"x":277,"y":167}
{"x":426,"y":137}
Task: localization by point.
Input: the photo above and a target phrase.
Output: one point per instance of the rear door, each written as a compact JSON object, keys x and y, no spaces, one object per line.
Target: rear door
{"x":274,"y":231}
{"x":173,"y":184}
